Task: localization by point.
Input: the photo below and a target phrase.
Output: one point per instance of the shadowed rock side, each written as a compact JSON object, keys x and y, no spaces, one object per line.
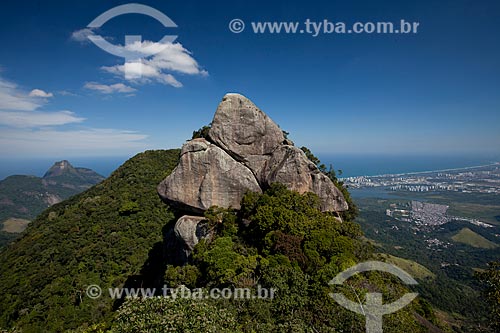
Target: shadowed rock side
{"x":189,"y":230}
{"x":247,"y":152}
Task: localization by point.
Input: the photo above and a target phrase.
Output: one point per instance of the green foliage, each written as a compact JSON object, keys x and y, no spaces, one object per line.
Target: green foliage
{"x":490,"y":278}
{"x":27,"y":196}
{"x":280,"y":239}
{"x":353,"y":210}
{"x":310,"y":155}
{"x":424,"y":308}
{"x":179,"y":315}
{"x":222,"y":220}
{"x":129,"y":207}
{"x":280,"y":214}
{"x":469,"y":237}
{"x":82,"y":241}
{"x":187,"y":275}
{"x":202,"y":132}
{"x":452,"y":287}
{"x":222,"y":265}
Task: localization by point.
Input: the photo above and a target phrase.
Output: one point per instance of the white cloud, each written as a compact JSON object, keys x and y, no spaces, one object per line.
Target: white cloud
{"x":172,"y":57}
{"x":20,"y":109}
{"x":31,"y":119}
{"x":109,"y":89}
{"x":143,"y":73}
{"x":12,"y":98}
{"x":40,"y":93}
{"x":157,"y":62}
{"x":168,"y":56}
{"x":26,"y":130}
{"x":82,"y":35}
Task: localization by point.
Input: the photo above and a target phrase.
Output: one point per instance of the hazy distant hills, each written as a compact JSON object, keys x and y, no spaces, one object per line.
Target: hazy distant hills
{"x":23,"y":197}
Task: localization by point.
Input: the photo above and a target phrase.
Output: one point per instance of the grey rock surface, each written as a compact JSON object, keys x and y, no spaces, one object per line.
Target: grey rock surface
{"x":189,"y":230}
{"x":242,"y":129}
{"x":289,"y":165}
{"x":247,"y":152}
{"x":207,"y":176}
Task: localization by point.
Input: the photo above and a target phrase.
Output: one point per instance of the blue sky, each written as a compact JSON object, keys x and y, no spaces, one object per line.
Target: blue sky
{"x":434,"y":92}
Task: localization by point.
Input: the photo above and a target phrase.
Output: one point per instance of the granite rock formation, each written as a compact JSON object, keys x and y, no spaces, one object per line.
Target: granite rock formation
{"x":244,"y":151}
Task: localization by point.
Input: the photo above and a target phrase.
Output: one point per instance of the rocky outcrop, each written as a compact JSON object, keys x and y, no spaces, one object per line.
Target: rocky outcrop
{"x":207,"y":176}
{"x":290,"y":166}
{"x":245,"y":151}
{"x":189,"y":230}
{"x":243,"y":130}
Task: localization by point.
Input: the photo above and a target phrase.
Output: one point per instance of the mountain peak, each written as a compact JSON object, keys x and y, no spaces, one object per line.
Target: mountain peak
{"x":245,"y":151}
{"x":59,"y":168}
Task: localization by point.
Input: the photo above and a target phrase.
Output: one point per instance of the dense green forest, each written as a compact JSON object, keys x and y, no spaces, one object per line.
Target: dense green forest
{"x":24,"y":197}
{"x":119,"y":233}
{"x":102,"y":236}
{"x":279,"y":240}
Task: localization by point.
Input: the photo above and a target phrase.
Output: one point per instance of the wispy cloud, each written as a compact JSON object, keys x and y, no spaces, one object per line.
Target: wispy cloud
{"x":25,"y":128}
{"x":109,"y":89}
{"x":13,"y":98}
{"x":94,"y":142}
{"x":31,"y":119}
{"x":20,"y":109}
{"x":40,"y":93}
{"x":82,"y":35}
{"x":65,"y":93}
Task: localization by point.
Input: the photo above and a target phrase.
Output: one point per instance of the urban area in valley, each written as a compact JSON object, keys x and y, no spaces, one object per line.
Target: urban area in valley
{"x":480,"y":179}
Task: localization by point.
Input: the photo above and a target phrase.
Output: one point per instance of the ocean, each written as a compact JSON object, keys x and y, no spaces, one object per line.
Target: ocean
{"x":377,"y":164}
{"x":37,"y":167}
{"x":350,"y":164}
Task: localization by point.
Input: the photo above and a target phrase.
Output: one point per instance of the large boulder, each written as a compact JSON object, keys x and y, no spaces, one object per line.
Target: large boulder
{"x":289,"y":165}
{"x":247,"y":152}
{"x":242,"y":129}
{"x":189,"y":230}
{"x":206,"y":176}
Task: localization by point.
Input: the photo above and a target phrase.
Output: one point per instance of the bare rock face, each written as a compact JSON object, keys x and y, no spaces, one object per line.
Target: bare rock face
{"x":247,"y":152}
{"x":242,"y":129}
{"x":207,"y":176}
{"x":189,"y":230}
{"x":289,"y":165}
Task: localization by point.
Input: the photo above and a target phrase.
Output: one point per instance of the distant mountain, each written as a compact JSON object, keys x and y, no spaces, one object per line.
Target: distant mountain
{"x":108,"y":230}
{"x":22,"y":197}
